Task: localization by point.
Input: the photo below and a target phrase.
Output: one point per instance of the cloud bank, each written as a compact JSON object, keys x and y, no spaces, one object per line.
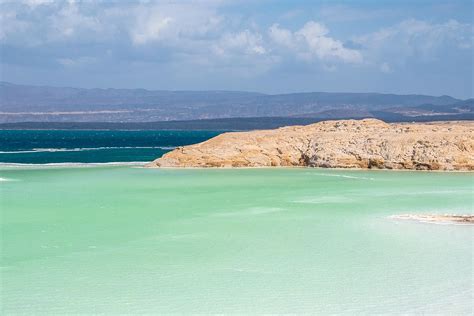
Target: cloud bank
{"x":211,"y":36}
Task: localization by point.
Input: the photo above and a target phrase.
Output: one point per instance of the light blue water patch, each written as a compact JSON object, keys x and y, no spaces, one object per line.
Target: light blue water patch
{"x":118,"y":240}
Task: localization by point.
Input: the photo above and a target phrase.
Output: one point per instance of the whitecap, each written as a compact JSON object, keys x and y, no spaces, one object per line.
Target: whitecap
{"x":52,"y":150}
{"x":343,"y":176}
{"x":71,"y":164}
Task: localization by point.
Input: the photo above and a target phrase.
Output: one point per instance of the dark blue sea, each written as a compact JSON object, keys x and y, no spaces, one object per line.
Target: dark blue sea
{"x":60,"y":146}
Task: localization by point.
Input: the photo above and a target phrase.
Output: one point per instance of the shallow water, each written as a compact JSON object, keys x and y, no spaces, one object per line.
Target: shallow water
{"x":133,"y":240}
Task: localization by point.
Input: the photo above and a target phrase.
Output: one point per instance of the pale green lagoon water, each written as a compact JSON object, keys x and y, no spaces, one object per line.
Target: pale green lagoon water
{"x":132,"y":240}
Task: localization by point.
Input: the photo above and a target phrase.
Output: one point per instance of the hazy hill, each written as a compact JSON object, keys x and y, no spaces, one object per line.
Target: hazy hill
{"x":22,"y":103}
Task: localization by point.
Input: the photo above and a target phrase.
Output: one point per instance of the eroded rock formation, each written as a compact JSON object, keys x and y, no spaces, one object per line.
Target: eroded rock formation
{"x":367,"y":143}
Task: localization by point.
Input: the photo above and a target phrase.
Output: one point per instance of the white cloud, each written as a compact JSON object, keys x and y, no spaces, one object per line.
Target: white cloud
{"x":313,"y":42}
{"x":172,"y":22}
{"x":150,"y":30}
{"x":245,"y":42}
{"x":35,"y":3}
{"x":323,"y":46}
{"x":281,"y":36}
{"x":69,"y":21}
{"x":203,"y":34}
{"x":142,"y":23}
{"x":75,"y":62}
{"x":36,"y":22}
{"x":415,"y":39}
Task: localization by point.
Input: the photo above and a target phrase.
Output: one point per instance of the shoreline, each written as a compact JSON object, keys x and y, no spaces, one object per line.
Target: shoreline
{"x":455,"y":219}
{"x":70,"y":164}
{"x":309,"y":167}
{"x":143,"y":164}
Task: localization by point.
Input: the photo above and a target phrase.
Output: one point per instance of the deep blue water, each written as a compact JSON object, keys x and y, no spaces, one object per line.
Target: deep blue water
{"x":55,"y":146}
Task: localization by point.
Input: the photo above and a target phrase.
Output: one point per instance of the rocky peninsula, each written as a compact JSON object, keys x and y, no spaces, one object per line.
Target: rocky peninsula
{"x":366,"y":144}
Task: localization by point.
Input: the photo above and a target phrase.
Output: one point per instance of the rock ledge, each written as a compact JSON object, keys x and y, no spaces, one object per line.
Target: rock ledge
{"x":366,"y":144}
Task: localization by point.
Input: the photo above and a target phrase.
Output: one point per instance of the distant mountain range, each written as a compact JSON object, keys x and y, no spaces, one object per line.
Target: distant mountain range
{"x":22,"y":103}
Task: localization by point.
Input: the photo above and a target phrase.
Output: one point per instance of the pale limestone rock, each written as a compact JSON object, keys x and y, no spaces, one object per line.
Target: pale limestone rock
{"x":437,"y":218}
{"x":367,"y":143}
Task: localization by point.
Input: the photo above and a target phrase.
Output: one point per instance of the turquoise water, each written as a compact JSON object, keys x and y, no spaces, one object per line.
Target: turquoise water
{"x":132,"y":240}
{"x":58,"y":146}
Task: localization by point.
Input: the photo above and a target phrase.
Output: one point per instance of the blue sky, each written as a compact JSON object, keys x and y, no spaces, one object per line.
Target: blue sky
{"x":267,"y":46}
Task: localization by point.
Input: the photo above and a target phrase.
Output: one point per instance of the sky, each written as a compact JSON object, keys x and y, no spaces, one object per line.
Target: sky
{"x":403,"y":47}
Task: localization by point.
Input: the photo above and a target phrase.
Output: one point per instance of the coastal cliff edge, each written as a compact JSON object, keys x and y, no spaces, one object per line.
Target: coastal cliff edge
{"x":366,"y":144}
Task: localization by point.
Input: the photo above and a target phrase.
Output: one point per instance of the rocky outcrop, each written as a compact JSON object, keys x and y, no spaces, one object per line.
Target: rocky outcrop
{"x":367,"y":143}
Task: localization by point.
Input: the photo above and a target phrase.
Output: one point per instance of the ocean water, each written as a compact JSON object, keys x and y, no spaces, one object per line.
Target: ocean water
{"x":127,"y":240}
{"x":57,"y":146}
